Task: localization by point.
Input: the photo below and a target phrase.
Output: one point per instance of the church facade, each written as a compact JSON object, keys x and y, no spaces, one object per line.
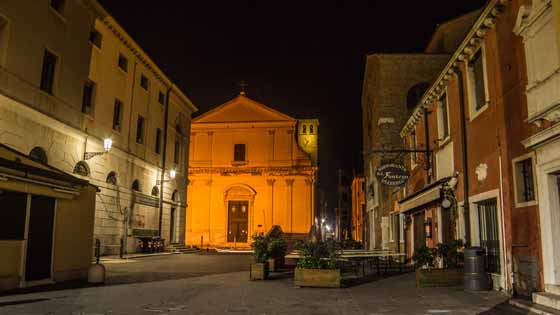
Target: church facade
{"x":250,"y":168}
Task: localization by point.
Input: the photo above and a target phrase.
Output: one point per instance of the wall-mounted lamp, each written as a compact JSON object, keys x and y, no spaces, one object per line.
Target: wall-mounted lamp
{"x":428,"y":228}
{"x":107,"y":144}
{"x":172,"y":175}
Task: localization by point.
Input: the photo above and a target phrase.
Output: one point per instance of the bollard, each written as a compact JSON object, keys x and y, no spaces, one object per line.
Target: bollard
{"x":96,"y":272}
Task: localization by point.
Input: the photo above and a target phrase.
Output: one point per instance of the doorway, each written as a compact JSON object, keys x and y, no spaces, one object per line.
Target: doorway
{"x":38,"y":262}
{"x":419,"y":235}
{"x":489,"y":233}
{"x":238,"y":221}
{"x":172,"y":226}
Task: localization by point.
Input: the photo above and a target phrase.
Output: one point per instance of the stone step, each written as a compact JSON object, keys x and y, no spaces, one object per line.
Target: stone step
{"x":554,"y":289}
{"x":547,"y":299}
{"x":533,"y":308}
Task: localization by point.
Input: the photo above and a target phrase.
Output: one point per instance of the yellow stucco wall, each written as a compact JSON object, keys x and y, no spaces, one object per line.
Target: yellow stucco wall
{"x":277,"y":178}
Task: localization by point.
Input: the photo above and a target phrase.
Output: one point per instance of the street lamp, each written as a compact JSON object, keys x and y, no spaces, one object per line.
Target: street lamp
{"x":172,"y":175}
{"x":107,"y":144}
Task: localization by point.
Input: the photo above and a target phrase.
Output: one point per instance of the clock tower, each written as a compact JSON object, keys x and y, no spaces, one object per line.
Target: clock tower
{"x":308,"y":137}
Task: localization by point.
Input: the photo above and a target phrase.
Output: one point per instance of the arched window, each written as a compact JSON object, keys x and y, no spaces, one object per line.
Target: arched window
{"x":311,"y":129}
{"x":175,"y":196}
{"x":39,"y":154}
{"x":304,"y":129}
{"x":136,"y":185}
{"x":415,"y":94}
{"x":81,"y":168}
{"x":111,"y":178}
{"x":155,"y":191}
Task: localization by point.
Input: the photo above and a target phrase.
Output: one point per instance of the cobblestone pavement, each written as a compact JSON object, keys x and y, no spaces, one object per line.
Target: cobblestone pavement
{"x":232,"y":293}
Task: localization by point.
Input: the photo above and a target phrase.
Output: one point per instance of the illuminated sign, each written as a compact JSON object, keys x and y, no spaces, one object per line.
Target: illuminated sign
{"x":392,"y":174}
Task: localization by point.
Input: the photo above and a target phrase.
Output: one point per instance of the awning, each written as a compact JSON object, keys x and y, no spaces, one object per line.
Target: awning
{"x":422,"y":197}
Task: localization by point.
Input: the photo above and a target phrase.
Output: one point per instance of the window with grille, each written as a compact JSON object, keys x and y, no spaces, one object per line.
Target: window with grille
{"x":88,"y":97}
{"x":117,"y":115}
{"x":239,"y":152}
{"x":48,"y":72}
{"x":524,"y":181}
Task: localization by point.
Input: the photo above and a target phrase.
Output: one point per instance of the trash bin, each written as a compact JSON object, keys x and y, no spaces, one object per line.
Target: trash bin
{"x":476,"y":278}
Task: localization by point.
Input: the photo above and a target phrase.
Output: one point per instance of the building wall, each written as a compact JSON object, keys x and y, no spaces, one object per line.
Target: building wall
{"x":387,"y":82}
{"x":493,"y":140}
{"x":33,"y":118}
{"x":359,"y":229}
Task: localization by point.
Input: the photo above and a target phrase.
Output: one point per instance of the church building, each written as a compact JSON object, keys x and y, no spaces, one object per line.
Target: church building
{"x":250,"y":168}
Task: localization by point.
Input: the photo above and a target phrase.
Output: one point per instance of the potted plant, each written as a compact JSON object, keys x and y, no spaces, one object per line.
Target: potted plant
{"x":318,"y":266}
{"x":277,"y":248}
{"x":259,"y":269}
{"x":449,"y":259}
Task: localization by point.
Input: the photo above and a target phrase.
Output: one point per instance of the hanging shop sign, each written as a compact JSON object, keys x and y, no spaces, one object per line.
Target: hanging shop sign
{"x":392,"y":174}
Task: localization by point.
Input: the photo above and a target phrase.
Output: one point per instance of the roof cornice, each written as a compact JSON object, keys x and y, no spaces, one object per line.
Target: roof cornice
{"x":486,"y":21}
{"x":111,"y":23}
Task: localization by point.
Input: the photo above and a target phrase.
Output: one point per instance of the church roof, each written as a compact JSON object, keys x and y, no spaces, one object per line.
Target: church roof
{"x":241,"y":109}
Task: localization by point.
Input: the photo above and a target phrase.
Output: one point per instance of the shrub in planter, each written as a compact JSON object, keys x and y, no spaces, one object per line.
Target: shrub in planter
{"x":449,"y":256}
{"x":277,"y":248}
{"x":317,"y":266}
{"x":259,"y":270}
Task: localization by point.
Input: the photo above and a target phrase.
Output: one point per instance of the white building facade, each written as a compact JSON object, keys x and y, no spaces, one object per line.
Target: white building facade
{"x":70,"y":78}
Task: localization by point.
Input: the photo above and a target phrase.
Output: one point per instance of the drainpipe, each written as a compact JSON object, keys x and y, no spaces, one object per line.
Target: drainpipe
{"x":428,"y":154}
{"x":464,"y":156}
{"x":164,"y":158}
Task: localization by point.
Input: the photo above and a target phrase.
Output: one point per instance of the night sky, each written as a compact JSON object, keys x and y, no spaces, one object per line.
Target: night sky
{"x":304,"y":60}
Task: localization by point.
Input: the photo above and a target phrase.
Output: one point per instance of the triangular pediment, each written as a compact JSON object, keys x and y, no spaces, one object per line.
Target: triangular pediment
{"x":242,"y":109}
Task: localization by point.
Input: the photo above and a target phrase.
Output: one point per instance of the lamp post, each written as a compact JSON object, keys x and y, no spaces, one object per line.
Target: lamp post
{"x":172,"y":175}
{"x":107,"y":144}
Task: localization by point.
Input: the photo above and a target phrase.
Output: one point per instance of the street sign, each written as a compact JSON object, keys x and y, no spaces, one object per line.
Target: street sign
{"x":392,"y":174}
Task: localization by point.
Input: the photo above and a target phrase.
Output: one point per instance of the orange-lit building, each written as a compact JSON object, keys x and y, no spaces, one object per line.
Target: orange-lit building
{"x":359,"y":227}
{"x":250,"y":167}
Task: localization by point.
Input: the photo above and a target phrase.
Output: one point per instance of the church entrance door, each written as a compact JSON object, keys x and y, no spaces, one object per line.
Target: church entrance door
{"x":238,"y":221}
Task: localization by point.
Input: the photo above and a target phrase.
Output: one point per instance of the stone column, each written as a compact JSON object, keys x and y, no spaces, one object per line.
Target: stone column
{"x":290,"y":186}
{"x":270,"y":183}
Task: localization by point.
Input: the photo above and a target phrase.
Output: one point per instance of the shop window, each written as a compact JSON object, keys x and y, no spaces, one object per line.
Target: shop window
{"x":524,"y":181}
{"x":39,"y":154}
{"x":12,"y":216}
{"x":239,"y":152}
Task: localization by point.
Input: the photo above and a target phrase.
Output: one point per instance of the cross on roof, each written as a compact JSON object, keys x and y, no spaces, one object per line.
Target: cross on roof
{"x":242,"y":86}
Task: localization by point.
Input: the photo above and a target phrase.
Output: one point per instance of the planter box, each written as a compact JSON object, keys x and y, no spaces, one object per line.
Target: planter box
{"x":319,"y":278}
{"x":439,"y":278}
{"x":258,"y":271}
{"x":274,"y":264}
